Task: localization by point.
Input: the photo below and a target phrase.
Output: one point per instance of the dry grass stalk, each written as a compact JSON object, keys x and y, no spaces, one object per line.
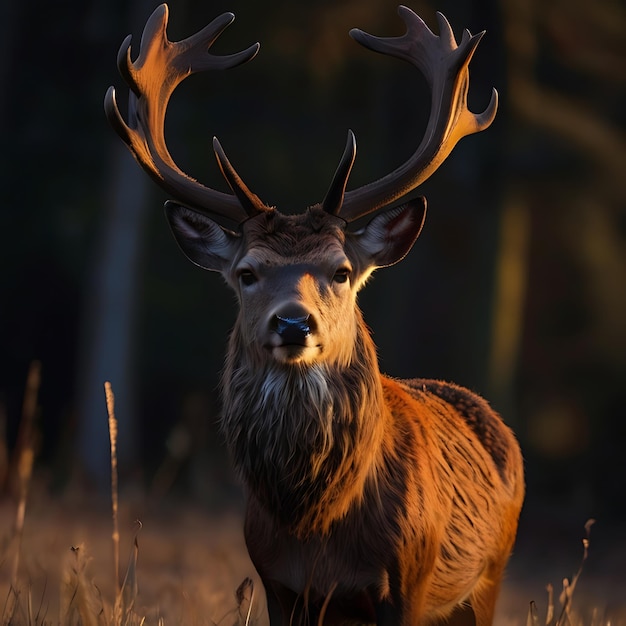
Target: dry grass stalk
{"x":110,"y":400}
{"x":10,"y":607}
{"x":123,"y":614}
{"x":80,"y":599}
{"x":565,"y":617}
{"x":24,"y":458}
{"x":550,"y":610}
{"x":567,"y":594}
{"x":126,"y":594}
{"x":242,"y":598}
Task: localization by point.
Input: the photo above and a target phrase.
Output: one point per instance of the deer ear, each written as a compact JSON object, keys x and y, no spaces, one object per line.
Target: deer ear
{"x":203,"y":241}
{"x":388,"y":238}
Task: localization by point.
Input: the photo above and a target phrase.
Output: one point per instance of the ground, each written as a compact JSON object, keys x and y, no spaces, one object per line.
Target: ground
{"x":191,"y":561}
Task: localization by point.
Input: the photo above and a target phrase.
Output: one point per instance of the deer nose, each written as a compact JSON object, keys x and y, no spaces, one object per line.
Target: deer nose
{"x":293,"y":325}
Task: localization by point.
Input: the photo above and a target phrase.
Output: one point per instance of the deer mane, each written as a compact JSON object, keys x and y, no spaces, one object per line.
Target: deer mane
{"x":298,"y":433}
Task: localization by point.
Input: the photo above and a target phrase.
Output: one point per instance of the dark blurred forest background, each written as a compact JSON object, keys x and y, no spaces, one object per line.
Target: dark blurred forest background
{"x":516,"y":289}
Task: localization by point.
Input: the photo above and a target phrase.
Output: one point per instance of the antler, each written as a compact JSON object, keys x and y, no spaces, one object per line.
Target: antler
{"x":152,"y":78}
{"x":445,"y":67}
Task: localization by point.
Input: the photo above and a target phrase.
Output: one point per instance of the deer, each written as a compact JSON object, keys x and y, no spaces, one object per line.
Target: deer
{"x":369,"y":499}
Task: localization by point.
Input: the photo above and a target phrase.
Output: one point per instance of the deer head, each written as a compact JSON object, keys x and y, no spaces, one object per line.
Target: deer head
{"x":296,"y":276}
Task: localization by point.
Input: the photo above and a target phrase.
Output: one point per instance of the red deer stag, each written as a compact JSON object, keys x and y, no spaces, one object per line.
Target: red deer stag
{"x":369,"y":499}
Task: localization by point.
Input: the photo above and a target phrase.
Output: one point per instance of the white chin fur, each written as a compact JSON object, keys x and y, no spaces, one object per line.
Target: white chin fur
{"x":295,"y":354}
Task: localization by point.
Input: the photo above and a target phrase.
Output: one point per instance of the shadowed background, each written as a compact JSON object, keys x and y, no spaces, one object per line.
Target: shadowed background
{"x":515,"y":289}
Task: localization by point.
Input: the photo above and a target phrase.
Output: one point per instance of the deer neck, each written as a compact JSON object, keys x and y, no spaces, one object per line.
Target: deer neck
{"x":304,"y":438}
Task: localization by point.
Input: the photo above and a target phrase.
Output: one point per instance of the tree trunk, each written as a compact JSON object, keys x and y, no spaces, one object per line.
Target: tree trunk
{"x":108,"y":343}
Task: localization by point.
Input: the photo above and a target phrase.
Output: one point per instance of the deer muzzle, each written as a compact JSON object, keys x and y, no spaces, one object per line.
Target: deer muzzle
{"x":291,"y":333}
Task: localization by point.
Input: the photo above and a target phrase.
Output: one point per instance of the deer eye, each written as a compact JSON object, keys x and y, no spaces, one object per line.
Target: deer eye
{"x":247,"y":277}
{"x":341,"y":275}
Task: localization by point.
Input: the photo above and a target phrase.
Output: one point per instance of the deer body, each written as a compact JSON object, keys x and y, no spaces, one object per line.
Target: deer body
{"x":383,"y":496}
{"x":369,"y":499}
{"x":431,"y":528}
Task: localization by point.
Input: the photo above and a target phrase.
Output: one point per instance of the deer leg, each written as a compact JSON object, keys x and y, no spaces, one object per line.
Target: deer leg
{"x":483,"y":598}
{"x":400,"y":610}
{"x":387,"y":614}
{"x":281,"y":603}
{"x":463,"y":615}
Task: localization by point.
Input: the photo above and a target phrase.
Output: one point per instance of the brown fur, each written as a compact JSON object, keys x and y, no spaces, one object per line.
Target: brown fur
{"x":369,"y":499}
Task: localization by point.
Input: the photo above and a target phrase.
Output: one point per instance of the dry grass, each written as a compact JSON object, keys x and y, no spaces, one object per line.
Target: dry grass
{"x":60,"y":564}
{"x":58,"y":567}
{"x":181,"y":566}
{"x":564,"y":613}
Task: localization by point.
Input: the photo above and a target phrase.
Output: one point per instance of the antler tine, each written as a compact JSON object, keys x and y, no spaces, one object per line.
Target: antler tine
{"x":159,"y":68}
{"x":445,"y":67}
{"x":334,"y":197}
{"x":248,"y":200}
